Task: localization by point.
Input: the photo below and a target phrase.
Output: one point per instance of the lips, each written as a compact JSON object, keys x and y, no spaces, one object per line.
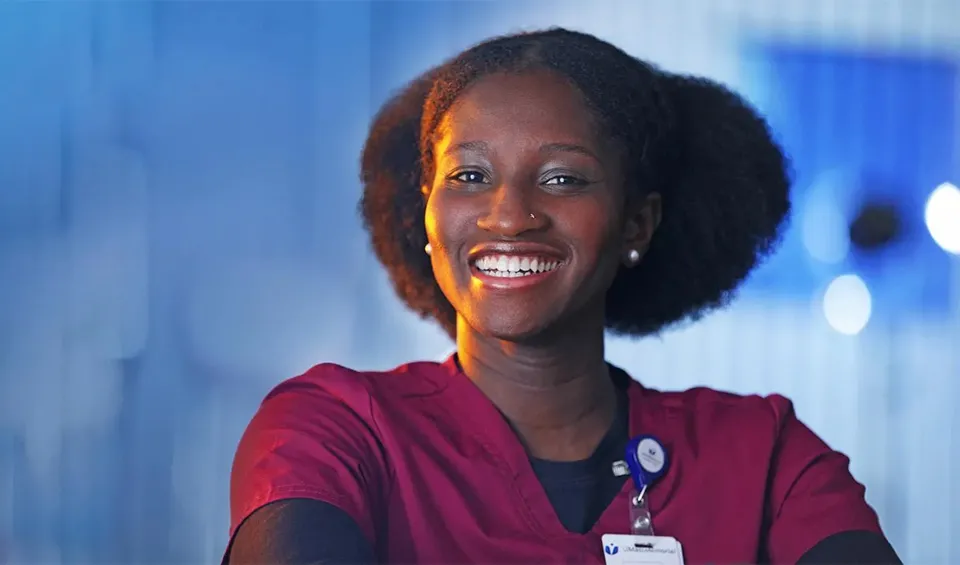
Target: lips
{"x":505,"y":265}
{"x":511,"y":265}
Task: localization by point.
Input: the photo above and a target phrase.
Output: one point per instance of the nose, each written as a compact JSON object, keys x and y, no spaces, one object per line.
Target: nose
{"x":510,"y":213}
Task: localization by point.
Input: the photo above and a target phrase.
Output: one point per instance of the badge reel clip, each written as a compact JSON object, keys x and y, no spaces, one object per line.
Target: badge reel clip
{"x":647,"y":461}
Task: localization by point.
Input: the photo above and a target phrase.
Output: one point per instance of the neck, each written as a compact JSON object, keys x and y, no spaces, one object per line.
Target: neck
{"x":556,"y":393}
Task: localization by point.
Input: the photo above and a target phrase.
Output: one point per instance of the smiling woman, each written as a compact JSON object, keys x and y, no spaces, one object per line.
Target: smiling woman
{"x":529,"y":194}
{"x":554,"y":194}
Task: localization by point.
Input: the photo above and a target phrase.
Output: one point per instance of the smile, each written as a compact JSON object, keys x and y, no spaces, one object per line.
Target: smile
{"x":513,"y":266}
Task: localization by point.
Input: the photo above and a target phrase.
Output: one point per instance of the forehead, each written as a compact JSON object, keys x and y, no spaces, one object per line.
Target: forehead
{"x":539,"y":105}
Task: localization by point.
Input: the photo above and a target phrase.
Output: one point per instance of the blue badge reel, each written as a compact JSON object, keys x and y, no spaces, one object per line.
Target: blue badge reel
{"x":647,"y":460}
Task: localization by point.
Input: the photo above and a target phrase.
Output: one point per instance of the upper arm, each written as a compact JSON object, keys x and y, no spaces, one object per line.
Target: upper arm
{"x":312,"y":438}
{"x":298,"y":532}
{"x":852,"y":548}
{"x":811,"y":494}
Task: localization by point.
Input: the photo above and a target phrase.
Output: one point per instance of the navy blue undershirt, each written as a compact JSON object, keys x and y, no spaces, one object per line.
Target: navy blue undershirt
{"x":581,"y":490}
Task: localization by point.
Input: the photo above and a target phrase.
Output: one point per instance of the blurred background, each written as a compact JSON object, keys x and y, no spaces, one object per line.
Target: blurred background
{"x":178,"y":186}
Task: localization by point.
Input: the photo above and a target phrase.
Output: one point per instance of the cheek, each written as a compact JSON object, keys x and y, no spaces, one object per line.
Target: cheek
{"x":431,"y":220}
{"x":595,"y":227}
{"x":446,"y":223}
{"x":445,"y":229}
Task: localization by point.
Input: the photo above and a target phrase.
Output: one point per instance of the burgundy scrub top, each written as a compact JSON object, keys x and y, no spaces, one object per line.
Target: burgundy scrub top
{"x":432,"y":473}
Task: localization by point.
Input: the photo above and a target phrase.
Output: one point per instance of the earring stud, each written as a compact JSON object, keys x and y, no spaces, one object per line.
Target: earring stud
{"x":633,"y":256}
{"x":428,"y":249}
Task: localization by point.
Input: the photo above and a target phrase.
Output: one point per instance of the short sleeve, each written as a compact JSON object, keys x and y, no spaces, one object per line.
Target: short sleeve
{"x":313,"y":437}
{"x":812,"y":494}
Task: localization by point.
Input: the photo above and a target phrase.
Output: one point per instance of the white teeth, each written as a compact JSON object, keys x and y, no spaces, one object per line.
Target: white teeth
{"x":514,"y":266}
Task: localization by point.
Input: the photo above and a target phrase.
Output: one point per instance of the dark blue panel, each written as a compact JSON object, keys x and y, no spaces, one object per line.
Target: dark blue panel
{"x":882,"y":126}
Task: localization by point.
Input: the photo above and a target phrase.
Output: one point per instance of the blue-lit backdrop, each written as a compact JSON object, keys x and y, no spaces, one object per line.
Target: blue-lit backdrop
{"x":860,"y":126}
{"x":178,"y":233}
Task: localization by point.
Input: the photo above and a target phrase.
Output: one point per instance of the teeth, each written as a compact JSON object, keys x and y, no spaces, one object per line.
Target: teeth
{"x":514,"y":266}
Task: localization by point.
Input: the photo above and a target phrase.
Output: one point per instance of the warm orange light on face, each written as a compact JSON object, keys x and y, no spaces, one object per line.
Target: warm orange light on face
{"x":443,"y":265}
{"x":430,"y":222}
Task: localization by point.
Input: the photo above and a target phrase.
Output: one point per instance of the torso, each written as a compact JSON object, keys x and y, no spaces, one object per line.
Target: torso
{"x":433,"y":473}
{"x":464,"y":487}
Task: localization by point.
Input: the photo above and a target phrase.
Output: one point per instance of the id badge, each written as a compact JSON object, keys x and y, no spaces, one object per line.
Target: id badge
{"x":623,"y":549}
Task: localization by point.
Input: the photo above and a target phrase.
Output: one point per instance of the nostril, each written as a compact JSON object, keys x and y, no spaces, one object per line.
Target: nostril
{"x":510,"y":223}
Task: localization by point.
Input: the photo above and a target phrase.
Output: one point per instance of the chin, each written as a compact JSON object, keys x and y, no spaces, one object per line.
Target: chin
{"x":521,"y":327}
{"x":513,"y":335}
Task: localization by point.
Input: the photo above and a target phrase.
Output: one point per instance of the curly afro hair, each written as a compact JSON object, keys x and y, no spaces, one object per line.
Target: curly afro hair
{"x":723,"y":181}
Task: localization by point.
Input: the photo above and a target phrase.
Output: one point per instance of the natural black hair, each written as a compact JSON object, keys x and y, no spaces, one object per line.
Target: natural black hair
{"x":723,"y":181}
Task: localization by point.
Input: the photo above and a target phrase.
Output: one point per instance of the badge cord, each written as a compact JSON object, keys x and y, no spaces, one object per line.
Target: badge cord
{"x":646,"y":460}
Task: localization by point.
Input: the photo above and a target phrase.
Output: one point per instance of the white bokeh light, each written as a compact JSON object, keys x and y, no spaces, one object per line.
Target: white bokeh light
{"x":942,"y":216}
{"x":847,"y":304}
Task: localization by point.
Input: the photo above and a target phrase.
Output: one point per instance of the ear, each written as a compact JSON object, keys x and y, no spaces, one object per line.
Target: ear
{"x":642,"y":222}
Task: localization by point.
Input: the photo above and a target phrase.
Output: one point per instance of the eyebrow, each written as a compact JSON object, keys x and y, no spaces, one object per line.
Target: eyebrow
{"x":482,"y":146}
{"x":569,"y":148}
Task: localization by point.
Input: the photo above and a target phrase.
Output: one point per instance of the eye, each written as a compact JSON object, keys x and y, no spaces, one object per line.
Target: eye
{"x":470,"y":177}
{"x":564,"y":180}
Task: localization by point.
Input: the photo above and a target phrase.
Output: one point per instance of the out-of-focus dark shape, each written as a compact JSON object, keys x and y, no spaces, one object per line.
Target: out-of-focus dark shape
{"x":875,"y":225}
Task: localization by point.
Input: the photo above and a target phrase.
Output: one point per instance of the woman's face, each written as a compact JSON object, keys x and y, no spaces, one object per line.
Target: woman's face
{"x":526,"y":214}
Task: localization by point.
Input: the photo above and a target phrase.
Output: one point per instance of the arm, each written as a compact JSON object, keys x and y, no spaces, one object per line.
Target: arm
{"x":312,"y":444}
{"x":299,"y":532}
{"x":852,"y":548}
{"x":817,"y":513}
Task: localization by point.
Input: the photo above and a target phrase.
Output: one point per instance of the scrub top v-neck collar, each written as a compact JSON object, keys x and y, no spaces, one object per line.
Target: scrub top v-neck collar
{"x":488,"y":427}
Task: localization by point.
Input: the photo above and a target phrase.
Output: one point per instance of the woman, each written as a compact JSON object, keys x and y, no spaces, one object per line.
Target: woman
{"x":527,"y":195}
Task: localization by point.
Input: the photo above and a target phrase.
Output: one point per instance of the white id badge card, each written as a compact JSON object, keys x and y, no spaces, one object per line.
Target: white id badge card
{"x":624,"y":549}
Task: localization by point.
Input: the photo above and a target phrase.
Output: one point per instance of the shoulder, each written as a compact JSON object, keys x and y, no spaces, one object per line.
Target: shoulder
{"x":714,"y":399}
{"x":724,"y":411}
{"x":762,"y":433}
{"x":758,"y":443}
{"x":330,"y":404}
{"x":354,"y":389}
{"x":317,"y":436}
